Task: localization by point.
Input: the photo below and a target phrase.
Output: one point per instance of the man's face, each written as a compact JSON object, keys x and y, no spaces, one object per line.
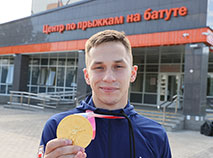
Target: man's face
{"x":109,"y":72}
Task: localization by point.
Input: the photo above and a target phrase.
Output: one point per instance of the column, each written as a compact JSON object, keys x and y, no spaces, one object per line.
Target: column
{"x":20,"y":77}
{"x":82,"y":88}
{"x":195,"y":84}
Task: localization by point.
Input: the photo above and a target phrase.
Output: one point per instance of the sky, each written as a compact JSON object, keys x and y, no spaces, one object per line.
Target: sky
{"x":14,"y":9}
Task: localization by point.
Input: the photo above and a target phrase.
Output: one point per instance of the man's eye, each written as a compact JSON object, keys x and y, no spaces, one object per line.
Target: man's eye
{"x":99,"y":68}
{"x":118,"y":66}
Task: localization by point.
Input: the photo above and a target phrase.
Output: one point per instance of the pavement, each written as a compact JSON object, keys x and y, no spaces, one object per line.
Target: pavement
{"x":20,"y":132}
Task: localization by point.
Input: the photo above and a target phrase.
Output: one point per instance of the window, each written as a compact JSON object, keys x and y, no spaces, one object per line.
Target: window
{"x":9,"y":79}
{"x":35,"y":75}
{"x":210,"y":85}
{"x":152,"y":55}
{"x":136,"y":97}
{"x":171,"y":54}
{"x":151,"y":61}
{"x":51,"y":78}
{"x":6,"y":74}
{"x":57,"y":72}
{"x":42,"y":76}
{"x":60,"y":76}
{"x":70,"y":77}
{"x":151,"y":83}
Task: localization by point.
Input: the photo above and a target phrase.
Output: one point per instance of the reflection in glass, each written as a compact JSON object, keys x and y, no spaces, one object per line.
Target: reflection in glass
{"x":4,"y":74}
{"x":210,"y":85}
{"x":60,"y":76}
{"x":152,"y":68}
{"x":70,"y":62}
{"x":35,"y":61}
{"x":5,"y":61}
{"x":42,"y":89}
{"x":42,"y":76}
{"x":44,"y":61}
{"x":139,"y":59}
{"x":53,"y":61}
{"x":3,"y":88}
{"x":34,"y":89}
{"x":50,"y":78}
{"x":150,"y":98}
{"x":9,"y":89}
{"x":35,"y":75}
{"x":171,"y":57}
{"x":9,"y":79}
{"x":51,"y":90}
{"x":152,"y":55}
{"x":61,"y":62}
{"x":136,"y":97}
{"x":151,"y":83}
{"x":210,"y":68}
{"x":70,"y":77}
{"x":11,"y":61}
{"x":52,"y":74}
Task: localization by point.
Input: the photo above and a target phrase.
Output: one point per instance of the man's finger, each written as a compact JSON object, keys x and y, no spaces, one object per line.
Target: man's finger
{"x":80,"y":155}
{"x":56,"y":143}
{"x":67,"y":150}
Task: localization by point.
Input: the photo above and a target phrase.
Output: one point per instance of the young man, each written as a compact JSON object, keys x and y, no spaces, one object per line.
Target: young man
{"x":109,"y":71}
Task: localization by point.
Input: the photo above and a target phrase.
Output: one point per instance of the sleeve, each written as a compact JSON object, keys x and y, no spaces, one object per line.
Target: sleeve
{"x":49,"y":132}
{"x":166,"y":151}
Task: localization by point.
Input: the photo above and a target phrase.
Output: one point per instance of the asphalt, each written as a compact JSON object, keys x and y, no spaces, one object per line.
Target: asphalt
{"x":20,"y":132}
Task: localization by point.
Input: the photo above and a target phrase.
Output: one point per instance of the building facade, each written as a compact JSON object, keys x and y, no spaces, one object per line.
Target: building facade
{"x":39,"y":6}
{"x":171,"y":41}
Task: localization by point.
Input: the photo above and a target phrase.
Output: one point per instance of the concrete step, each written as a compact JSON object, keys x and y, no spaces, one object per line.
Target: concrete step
{"x":172,"y":122}
{"x":156,"y":111}
{"x":209,"y":116}
{"x":159,"y":113}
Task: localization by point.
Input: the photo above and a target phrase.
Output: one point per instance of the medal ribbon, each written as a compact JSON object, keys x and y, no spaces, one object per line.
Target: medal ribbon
{"x":90,"y":115}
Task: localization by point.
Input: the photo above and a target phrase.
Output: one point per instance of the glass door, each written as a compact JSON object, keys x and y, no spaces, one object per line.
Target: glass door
{"x":168,"y":87}
{"x":210,"y":84}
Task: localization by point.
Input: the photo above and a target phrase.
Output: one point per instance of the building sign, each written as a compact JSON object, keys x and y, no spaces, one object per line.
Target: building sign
{"x":148,"y":15}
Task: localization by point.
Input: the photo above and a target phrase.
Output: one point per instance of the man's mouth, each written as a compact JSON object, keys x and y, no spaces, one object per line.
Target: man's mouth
{"x":109,"y":89}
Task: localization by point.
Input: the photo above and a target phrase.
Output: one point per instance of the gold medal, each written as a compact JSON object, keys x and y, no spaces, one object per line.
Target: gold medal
{"x":76,"y":128}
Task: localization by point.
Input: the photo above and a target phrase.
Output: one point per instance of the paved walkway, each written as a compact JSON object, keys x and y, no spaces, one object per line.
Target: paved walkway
{"x":20,"y":132}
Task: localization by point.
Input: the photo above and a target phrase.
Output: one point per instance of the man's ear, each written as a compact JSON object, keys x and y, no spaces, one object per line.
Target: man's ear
{"x":134,"y":73}
{"x":86,"y":76}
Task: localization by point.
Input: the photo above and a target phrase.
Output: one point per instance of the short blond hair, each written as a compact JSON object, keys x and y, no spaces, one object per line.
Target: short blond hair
{"x":107,"y":36}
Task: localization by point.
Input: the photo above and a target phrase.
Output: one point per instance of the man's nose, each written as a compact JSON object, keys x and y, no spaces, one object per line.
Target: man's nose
{"x":109,"y":76}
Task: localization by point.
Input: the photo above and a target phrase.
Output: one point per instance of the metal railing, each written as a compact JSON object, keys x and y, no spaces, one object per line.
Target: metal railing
{"x":167,"y":103}
{"x":63,"y":95}
{"x":41,"y":100}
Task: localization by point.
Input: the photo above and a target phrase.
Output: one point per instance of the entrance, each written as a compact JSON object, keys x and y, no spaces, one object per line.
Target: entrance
{"x":210,"y":84}
{"x":169,"y":87}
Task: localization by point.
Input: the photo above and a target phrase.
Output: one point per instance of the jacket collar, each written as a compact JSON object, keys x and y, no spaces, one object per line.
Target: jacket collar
{"x":88,"y":104}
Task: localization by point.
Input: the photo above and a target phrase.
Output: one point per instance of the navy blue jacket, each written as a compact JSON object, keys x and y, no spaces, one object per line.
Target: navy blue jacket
{"x":112,"y":135}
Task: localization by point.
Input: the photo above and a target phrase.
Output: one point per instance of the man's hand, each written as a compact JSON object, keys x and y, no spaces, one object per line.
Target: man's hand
{"x":62,"y":148}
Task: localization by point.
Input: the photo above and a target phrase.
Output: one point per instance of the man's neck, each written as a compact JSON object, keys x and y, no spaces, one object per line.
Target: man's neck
{"x":99,"y":104}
